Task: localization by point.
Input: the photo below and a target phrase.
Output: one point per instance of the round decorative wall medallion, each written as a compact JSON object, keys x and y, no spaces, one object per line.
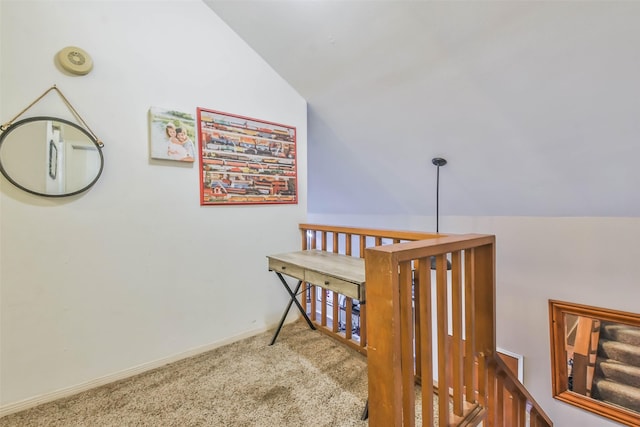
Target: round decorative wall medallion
{"x":75,"y":60}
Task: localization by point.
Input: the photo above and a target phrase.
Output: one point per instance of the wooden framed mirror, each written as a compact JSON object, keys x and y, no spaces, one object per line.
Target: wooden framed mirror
{"x":595,"y":360}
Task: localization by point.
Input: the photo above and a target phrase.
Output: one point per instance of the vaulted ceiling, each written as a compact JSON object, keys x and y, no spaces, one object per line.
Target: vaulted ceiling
{"x":535,"y":105}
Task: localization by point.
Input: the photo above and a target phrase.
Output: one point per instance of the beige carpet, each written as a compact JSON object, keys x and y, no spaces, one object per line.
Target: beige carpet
{"x":304,"y":379}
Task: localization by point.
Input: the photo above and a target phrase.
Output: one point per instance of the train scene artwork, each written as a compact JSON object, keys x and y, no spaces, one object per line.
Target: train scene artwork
{"x":245,"y":160}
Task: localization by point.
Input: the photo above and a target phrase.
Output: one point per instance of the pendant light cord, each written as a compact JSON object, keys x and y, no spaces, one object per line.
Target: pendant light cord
{"x":438,"y":200}
{"x":438,"y":161}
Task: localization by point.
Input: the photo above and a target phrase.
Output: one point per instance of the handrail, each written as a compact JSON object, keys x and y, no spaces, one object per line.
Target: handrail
{"x":521,"y":401}
{"x":373,"y":232}
{"x":436,"y":246}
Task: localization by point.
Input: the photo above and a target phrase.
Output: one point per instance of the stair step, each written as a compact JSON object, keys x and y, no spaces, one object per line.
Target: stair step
{"x":617,"y":394}
{"x":625,"y":353}
{"x":621,"y":333}
{"x":618,"y":372}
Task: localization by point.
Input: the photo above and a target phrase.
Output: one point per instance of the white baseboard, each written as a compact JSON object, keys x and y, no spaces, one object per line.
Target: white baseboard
{"x":21,"y":405}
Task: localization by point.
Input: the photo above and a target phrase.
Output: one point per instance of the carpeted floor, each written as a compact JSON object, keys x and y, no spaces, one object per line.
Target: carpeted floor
{"x":305,"y":379}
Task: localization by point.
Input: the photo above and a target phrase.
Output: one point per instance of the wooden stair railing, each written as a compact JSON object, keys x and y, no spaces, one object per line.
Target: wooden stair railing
{"x":406,"y":336}
{"x":513,"y":405}
{"x":411,"y":321}
{"x":510,"y":404}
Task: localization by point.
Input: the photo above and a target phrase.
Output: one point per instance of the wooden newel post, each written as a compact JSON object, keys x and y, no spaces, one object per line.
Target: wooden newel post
{"x":484,"y":284}
{"x":383,"y":345}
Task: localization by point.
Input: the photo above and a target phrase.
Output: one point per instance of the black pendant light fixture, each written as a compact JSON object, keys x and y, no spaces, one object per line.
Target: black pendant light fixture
{"x":438,"y":161}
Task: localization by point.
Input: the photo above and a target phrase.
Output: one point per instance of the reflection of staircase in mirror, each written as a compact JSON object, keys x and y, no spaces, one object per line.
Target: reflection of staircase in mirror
{"x":582,"y":347}
{"x":617,"y":375}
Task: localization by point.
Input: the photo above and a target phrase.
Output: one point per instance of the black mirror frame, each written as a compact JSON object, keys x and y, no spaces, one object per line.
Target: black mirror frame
{"x":15,"y":125}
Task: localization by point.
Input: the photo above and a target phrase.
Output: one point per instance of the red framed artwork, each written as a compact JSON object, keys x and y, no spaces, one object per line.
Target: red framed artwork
{"x":245,"y":160}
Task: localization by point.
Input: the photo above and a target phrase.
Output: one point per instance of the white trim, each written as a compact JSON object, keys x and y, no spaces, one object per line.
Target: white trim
{"x":520,"y":361}
{"x":117,"y":376}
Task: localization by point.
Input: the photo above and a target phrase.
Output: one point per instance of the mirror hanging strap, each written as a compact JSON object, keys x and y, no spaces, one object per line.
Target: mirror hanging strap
{"x":67,"y":103}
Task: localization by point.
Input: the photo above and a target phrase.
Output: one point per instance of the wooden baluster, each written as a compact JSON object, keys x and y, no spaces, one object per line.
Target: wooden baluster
{"x":470,"y":368}
{"x":535,"y":419}
{"x":416,"y":303}
{"x":483,"y":381}
{"x":336,"y":306}
{"x":363,"y":306}
{"x":490,"y":400}
{"x":456,"y":341}
{"x":522,"y":410}
{"x":348,"y":320}
{"x":304,"y":234}
{"x":510,"y":405}
{"x":336,"y":315}
{"x":406,"y":338}
{"x":499,"y":400}
{"x":426,"y":340}
{"x":443,"y":338}
{"x":519,"y":407}
{"x":323,"y":298}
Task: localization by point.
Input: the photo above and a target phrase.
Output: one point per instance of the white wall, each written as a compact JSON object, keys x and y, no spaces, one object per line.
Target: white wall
{"x":134,"y":271}
{"x":589,"y":261}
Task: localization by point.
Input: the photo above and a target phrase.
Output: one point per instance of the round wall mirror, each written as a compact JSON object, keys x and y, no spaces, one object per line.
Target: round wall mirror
{"x":50,"y":157}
